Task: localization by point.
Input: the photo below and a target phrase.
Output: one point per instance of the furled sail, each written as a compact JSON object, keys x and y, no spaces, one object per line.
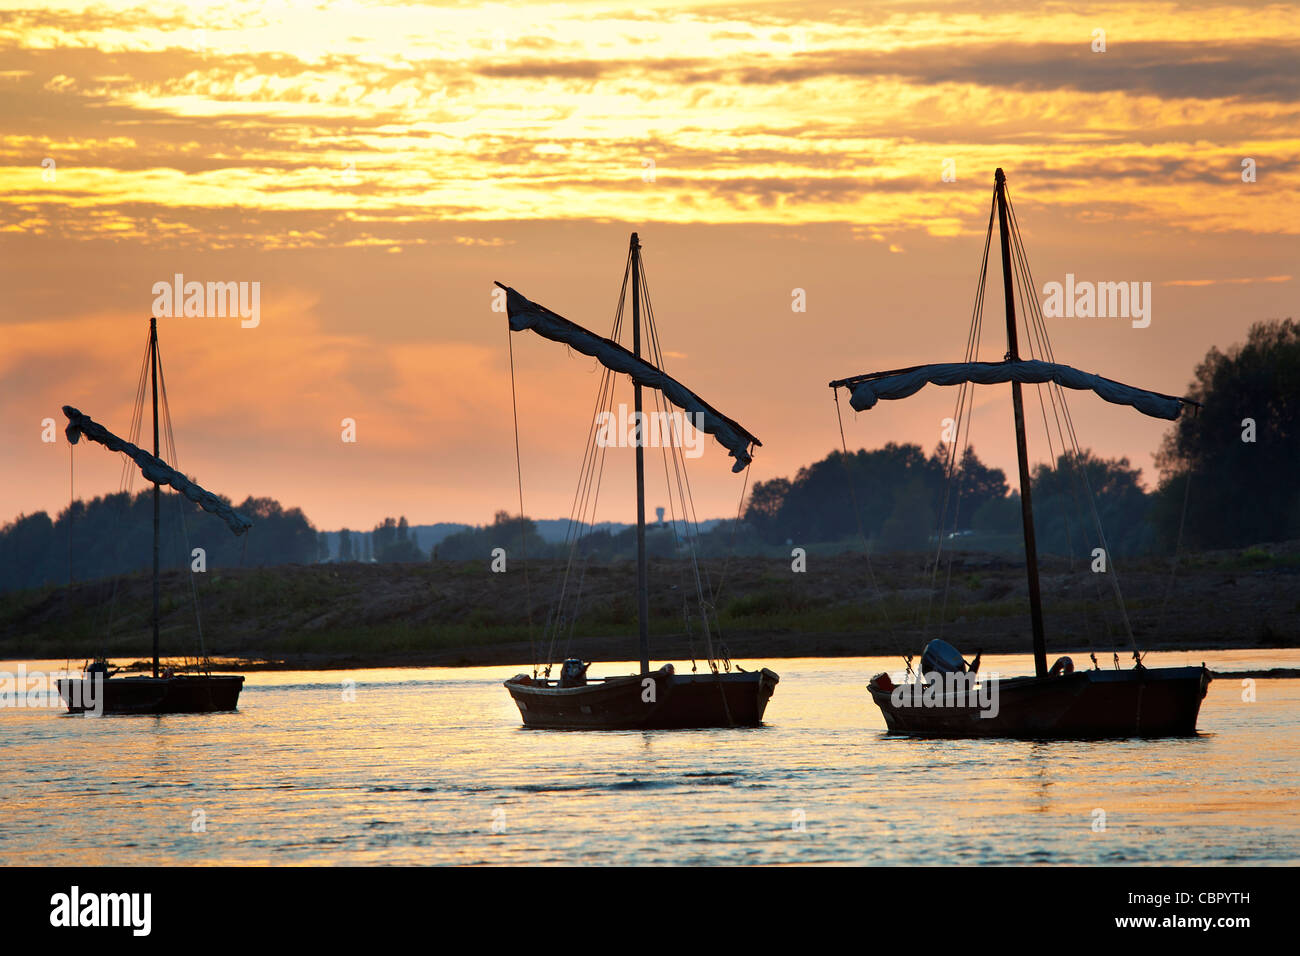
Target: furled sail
{"x":526,"y":314}
{"x":154,"y":469}
{"x":865,"y":393}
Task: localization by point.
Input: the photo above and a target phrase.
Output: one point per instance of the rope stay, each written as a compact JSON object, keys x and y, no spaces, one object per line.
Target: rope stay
{"x":957,"y":454}
{"x":566,"y":604}
{"x":203,"y":664}
{"x":961,"y":424}
{"x":1034,"y":318}
{"x":866,"y":545}
{"x":585,"y":499}
{"x":690,"y":518}
{"x":1073,"y":451}
{"x":126,"y":489}
{"x":1178,"y":547}
{"x":519,"y":476}
{"x":1040,"y":345}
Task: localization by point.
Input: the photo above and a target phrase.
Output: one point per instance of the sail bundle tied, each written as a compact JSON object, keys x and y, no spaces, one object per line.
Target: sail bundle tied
{"x":526,"y":314}
{"x":865,"y":394}
{"x":153,"y":468}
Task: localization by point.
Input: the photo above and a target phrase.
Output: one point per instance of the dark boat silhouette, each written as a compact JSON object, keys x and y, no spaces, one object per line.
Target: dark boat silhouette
{"x":650,"y":699}
{"x":948,"y":697}
{"x":1098,"y":703}
{"x":676,"y":702}
{"x":138,"y":694}
{"x":99,"y":690}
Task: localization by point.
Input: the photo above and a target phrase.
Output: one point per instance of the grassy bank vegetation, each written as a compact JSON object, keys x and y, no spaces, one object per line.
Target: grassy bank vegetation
{"x":463,"y":613}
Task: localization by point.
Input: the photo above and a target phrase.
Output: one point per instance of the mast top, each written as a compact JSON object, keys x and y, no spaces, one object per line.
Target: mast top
{"x":636,"y":242}
{"x":999,"y":177}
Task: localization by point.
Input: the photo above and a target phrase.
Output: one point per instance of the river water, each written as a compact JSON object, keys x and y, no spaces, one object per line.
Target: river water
{"x":421,"y":766}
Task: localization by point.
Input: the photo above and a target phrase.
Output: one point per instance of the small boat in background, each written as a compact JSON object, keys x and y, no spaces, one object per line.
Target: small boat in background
{"x":650,"y":699}
{"x":949,"y":698}
{"x":165,"y":691}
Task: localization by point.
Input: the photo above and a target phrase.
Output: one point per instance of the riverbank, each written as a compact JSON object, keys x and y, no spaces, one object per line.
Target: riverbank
{"x":453,"y":614}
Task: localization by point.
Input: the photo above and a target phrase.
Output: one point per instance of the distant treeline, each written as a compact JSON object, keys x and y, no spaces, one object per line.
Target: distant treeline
{"x":390,"y":540}
{"x":1229,"y":477}
{"x":902,"y":495}
{"x":519,"y":538}
{"x":114,"y":535}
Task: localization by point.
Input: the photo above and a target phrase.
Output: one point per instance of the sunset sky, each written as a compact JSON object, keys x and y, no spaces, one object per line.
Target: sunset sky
{"x":375,"y":166}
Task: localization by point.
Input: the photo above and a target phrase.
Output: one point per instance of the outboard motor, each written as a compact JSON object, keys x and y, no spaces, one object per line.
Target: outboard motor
{"x":573,"y":673}
{"x":940,"y":657}
{"x":1063,"y":665}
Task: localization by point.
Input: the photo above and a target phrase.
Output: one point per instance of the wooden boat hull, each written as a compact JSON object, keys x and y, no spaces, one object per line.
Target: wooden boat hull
{"x":186,"y":694}
{"x":676,"y":701}
{"x":1150,"y":702}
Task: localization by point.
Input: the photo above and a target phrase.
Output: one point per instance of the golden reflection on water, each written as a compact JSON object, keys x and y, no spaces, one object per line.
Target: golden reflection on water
{"x":432,"y":766}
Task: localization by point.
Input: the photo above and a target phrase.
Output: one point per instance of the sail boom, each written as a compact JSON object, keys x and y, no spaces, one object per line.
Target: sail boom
{"x":526,"y":314}
{"x":866,"y":390}
{"x":153,"y":468}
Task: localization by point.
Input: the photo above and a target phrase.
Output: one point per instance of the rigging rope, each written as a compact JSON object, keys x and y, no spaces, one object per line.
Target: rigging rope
{"x":72,"y":497}
{"x":1178,"y":547}
{"x":672,"y":515}
{"x":564,"y":611}
{"x":966,"y":400}
{"x":1036,"y":313}
{"x":1040,"y":345}
{"x":126,"y":485}
{"x":519,"y":476}
{"x":735,"y":526}
{"x":866,"y":546}
{"x":588,"y":491}
{"x":578,"y":520}
{"x":203,"y":662}
{"x":689,"y":516}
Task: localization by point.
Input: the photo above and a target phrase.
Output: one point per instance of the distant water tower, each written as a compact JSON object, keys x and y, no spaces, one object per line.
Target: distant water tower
{"x":659,"y":513}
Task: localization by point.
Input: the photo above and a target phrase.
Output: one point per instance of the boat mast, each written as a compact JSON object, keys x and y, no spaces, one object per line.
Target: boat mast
{"x":153,"y":366}
{"x":642,"y":582}
{"x":1022,"y":453}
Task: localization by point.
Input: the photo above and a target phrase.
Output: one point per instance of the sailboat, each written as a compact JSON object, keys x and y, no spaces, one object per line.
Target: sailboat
{"x":649,"y":699}
{"x":163,"y":692}
{"x":948,"y":697}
